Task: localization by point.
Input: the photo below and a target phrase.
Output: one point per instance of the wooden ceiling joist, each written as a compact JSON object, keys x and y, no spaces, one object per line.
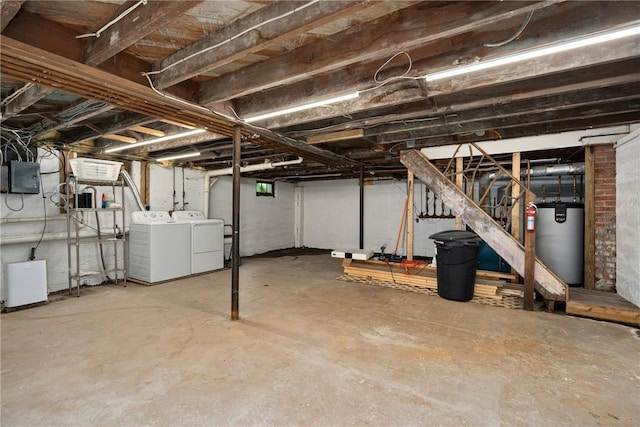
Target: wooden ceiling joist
{"x":436,"y":57}
{"x":134,"y":26}
{"x":8,"y":9}
{"x":378,"y":39}
{"x":240,"y":38}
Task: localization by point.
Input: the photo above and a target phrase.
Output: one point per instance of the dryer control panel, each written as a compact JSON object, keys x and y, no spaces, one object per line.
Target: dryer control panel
{"x":190,"y":215}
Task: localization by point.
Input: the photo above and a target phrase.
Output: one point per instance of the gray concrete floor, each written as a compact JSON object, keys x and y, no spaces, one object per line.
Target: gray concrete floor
{"x":309,"y":350}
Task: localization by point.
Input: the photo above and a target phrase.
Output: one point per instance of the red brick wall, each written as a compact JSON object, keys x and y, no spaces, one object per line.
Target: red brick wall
{"x":605,"y":215}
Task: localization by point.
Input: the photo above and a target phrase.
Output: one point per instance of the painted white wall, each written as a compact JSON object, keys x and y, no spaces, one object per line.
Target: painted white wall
{"x":164,"y":180}
{"x":266,"y":223}
{"x":628,"y":217}
{"x":331,"y":216}
{"x":54,"y":251}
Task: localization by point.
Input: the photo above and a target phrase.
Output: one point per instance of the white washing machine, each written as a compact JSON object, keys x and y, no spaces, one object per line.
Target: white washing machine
{"x":207,"y":240}
{"x":159,"y":247}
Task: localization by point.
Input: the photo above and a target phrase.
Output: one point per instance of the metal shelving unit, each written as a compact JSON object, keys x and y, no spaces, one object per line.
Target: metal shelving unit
{"x":77,"y":216}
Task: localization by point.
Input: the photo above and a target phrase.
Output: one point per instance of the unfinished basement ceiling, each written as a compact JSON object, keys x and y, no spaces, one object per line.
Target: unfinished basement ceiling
{"x":213,"y":64}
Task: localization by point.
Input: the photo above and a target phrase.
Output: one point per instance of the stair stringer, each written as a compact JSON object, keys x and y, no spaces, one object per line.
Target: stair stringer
{"x":547,"y":283}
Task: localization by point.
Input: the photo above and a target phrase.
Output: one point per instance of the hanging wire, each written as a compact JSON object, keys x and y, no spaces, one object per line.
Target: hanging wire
{"x":113,"y":21}
{"x":403,"y":76}
{"x":513,"y":37}
{"x":230,"y":39}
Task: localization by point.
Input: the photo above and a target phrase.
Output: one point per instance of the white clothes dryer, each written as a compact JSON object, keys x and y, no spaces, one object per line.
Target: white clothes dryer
{"x":207,"y":240}
{"x":159,"y":247}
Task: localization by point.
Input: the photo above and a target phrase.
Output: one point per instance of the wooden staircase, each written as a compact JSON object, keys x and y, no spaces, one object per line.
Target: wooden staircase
{"x":547,"y":283}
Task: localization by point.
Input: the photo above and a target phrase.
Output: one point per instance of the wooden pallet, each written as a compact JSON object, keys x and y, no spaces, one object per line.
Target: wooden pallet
{"x":489,"y":285}
{"x":602,"y":306}
{"x":507,"y":301}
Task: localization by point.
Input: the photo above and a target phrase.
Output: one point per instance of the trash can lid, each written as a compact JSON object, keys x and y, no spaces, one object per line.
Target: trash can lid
{"x":455,"y":236}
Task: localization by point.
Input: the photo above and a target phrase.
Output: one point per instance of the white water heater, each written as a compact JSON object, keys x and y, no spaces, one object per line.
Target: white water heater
{"x":560,"y":239}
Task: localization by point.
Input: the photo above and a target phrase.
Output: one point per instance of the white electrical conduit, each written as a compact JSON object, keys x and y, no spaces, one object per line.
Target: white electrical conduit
{"x":229,"y":171}
{"x":230,"y":39}
{"x":15,"y":94}
{"x":48,"y":237}
{"x":113,"y":21}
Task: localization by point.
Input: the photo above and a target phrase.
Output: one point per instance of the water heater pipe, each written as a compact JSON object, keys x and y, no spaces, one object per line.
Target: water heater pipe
{"x":537,"y":171}
{"x":229,"y":171}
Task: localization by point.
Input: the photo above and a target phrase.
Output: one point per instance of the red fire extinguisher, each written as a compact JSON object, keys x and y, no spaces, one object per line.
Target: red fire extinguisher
{"x":531,"y":217}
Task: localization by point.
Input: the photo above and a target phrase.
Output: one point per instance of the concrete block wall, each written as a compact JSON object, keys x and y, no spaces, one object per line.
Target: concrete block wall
{"x":165,"y":180}
{"x":266,"y":223}
{"x":605,"y":215}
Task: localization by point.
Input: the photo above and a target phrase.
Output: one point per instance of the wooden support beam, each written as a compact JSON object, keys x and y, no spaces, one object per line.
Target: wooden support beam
{"x":583,"y":57}
{"x":135,"y":26}
{"x":464,"y":122}
{"x":515,"y":191}
{"x":359,"y":44}
{"x":548,"y":283}
{"x":529,"y":261}
{"x":410,"y":214}
{"x":589,"y":219}
{"x":516,"y":205}
{"x":24,"y":63}
{"x":515,"y":130}
{"x":460,"y":185}
{"x":52,"y":37}
{"x":237,"y":40}
{"x":8,"y":9}
{"x":437,"y":55}
{"x":544,"y":31}
{"x":147,"y":130}
{"x":335,"y":136}
{"x":564,"y":90}
{"x":145,"y":182}
{"x":115,"y":124}
{"x":121,"y":138}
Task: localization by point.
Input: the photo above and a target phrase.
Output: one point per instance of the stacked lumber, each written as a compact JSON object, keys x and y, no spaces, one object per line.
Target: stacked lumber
{"x":489,"y":284}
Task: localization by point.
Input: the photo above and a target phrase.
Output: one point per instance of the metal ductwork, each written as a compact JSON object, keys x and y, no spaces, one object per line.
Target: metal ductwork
{"x":134,"y":189}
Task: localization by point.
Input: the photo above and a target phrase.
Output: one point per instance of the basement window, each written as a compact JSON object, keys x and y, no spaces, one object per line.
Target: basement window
{"x":265,"y":188}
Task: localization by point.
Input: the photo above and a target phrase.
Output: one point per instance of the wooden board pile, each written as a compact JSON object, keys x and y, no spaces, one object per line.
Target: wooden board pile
{"x":490,"y":287}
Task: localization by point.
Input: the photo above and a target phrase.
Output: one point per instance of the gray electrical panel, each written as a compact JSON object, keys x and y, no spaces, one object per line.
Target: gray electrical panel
{"x":23,"y":177}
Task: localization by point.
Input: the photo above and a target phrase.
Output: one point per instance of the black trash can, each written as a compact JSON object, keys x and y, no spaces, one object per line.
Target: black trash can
{"x":456,"y":263}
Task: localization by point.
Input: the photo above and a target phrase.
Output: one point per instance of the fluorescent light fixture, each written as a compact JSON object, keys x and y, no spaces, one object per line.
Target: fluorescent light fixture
{"x":155,"y":140}
{"x":178,"y":156}
{"x":303,"y":107}
{"x":537,"y":52}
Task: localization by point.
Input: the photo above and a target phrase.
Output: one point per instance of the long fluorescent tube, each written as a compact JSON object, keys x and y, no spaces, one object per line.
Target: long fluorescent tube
{"x":303,"y":107}
{"x":536,"y":53}
{"x":177,"y":156}
{"x":155,"y":140}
